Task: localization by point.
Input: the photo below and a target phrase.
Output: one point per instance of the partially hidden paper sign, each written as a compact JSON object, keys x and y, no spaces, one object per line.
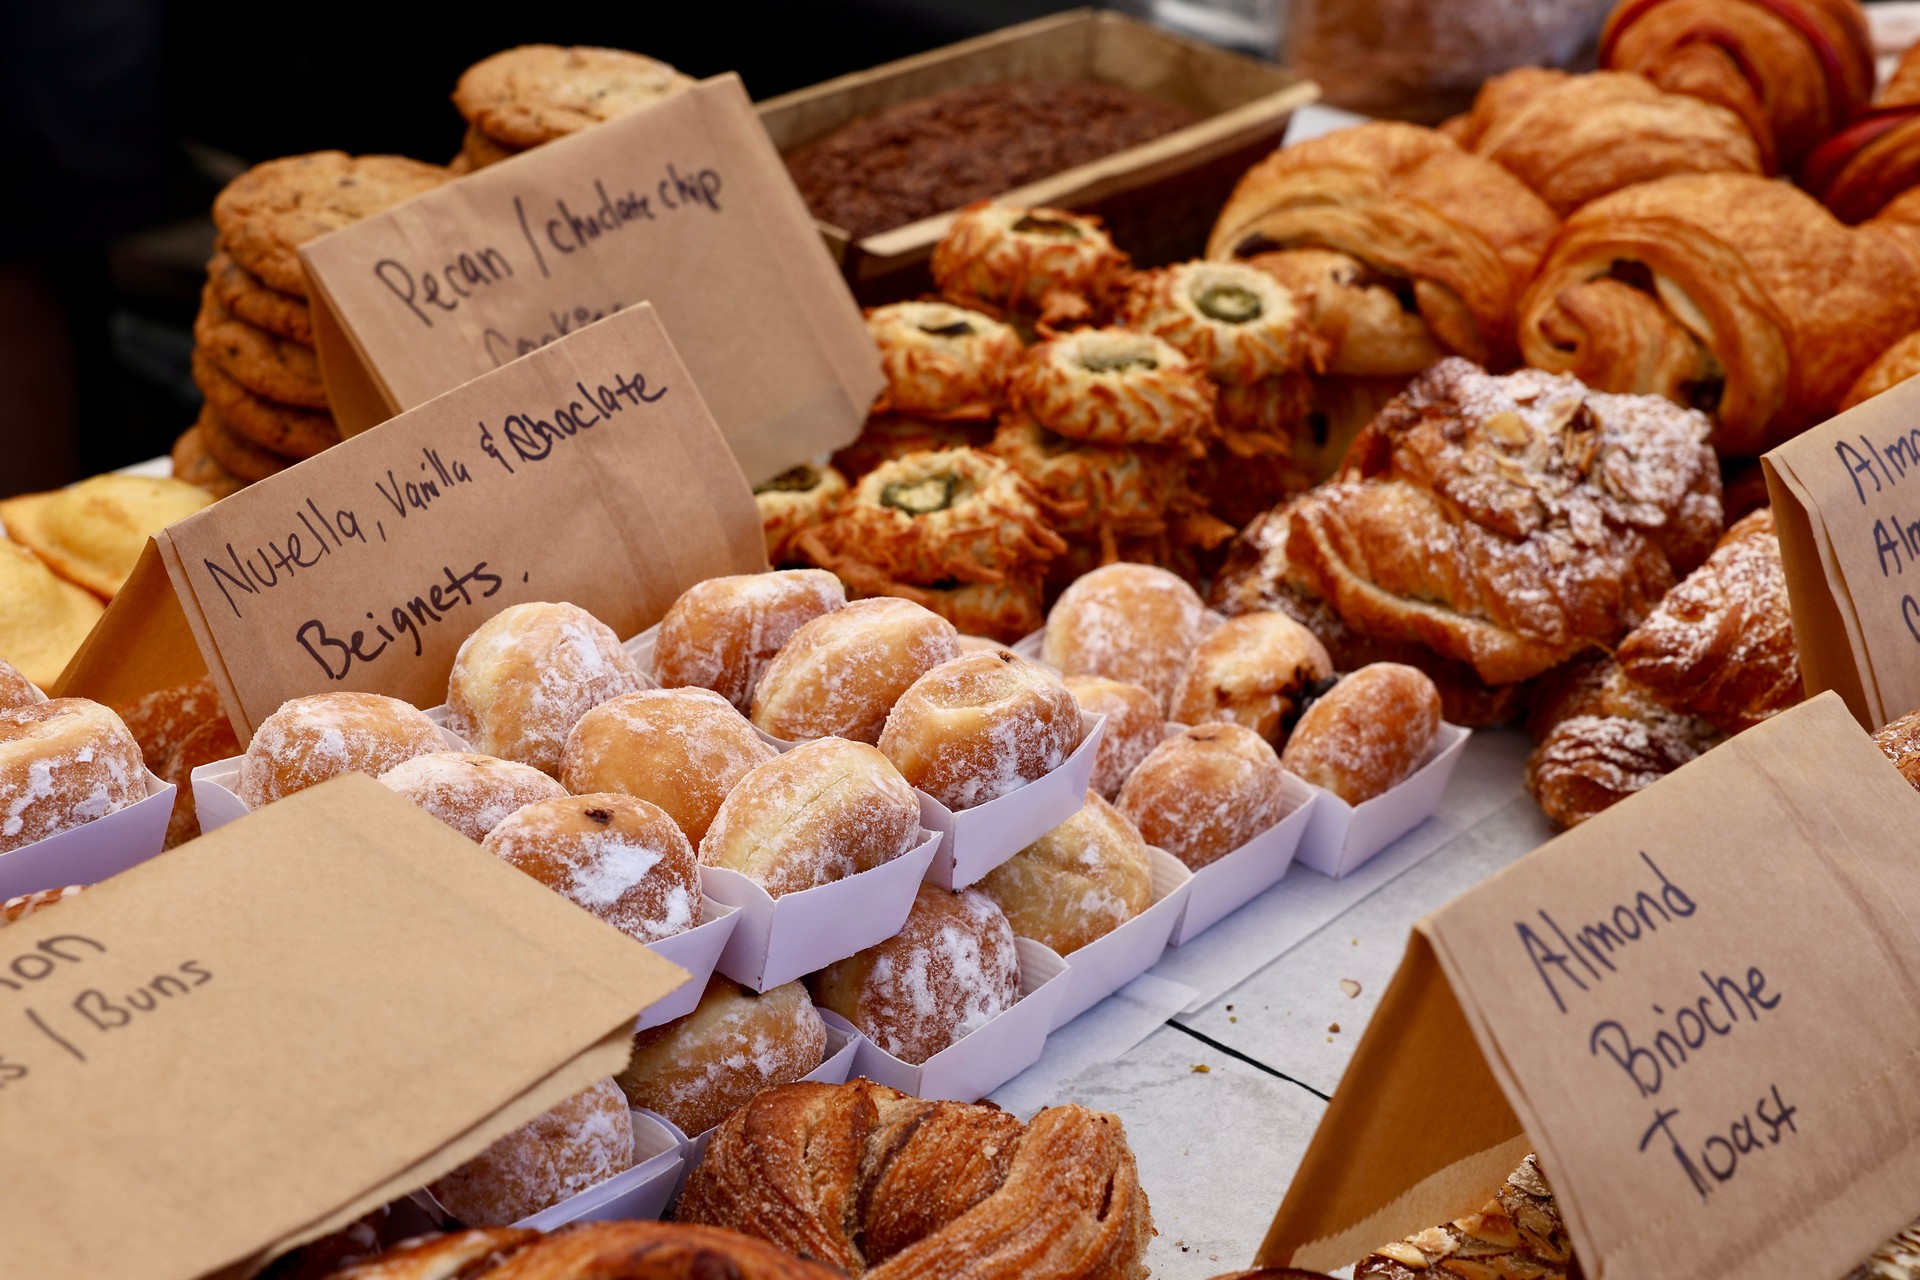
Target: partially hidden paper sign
{"x":684,"y":204}
{"x":589,"y":472}
{"x":1702,"y":1010}
{"x":263,"y":1034}
{"x":1846,"y":502}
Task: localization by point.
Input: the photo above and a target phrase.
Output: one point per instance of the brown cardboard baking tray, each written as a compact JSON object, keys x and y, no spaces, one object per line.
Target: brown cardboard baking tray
{"x":1159,"y":198}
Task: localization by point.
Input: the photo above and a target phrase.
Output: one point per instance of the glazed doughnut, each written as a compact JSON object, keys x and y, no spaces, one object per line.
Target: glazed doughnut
{"x":794,"y":500}
{"x":622,"y":859}
{"x":980,"y":727}
{"x":27,"y":903}
{"x":721,"y":634}
{"x":1257,"y":669}
{"x":1237,"y":322}
{"x":695,"y":1070}
{"x":311,"y":739}
{"x":680,"y":749}
{"x":1368,"y":733}
{"x":1115,"y":386}
{"x":521,"y":681}
{"x":942,"y":361}
{"x":1205,"y":792}
{"x":821,"y":812}
{"x":1043,"y":265}
{"x":1135,"y":726}
{"x":1130,"y":622}
{"x":63,"y":763}
{"x":1080,"y":881}
{"x":471,"y":793}
{"x":16,"y":690}
{"x":213,"y":740}
{"x":161,"y":720}
{"x":579,"y":1144}
{"x":839,"y":675}
{"x":951,"y":968}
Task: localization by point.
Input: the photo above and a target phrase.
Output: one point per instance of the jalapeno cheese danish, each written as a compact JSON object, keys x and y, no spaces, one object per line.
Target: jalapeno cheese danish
{"x":1235,"y":321}
{"x":1046,"y":266}
{"x":1111,"y":490}
{"x":795,"y":500}
{"x":942,"y":361}
{"x":886,"y":437}
{"x":1114,"y":386}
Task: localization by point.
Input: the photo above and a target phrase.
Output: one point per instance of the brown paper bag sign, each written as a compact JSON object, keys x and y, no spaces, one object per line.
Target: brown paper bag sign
{"x":1702,"y":1009}
{"x":1846,"y":500}
{"x":589,"y":471}
{"x":271,"y":1030}
{"x":685,"y":205}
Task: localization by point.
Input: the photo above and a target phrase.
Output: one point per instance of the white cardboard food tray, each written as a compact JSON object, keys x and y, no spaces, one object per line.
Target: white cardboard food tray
{"x":1341,"y":837}
{"x":981,"y":838}
{"x":1103,"y":966}
{"x":641,"y":1192}
{"x":697,"y":951}
{"x":1228,"y":883}
{"x":780,"y":939}
{"x":216,"y":797}
{"x":93,"y":851}
{"x":988,"y":1056}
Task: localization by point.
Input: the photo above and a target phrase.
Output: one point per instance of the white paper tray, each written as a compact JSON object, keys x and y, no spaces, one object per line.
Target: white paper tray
{"x":641,"y":1192}
{"x":1342,"y":837}
{"x":981,"y":838}
{"x":697,"y":951}
{"x":94,"y":851}
{"x":1103,"y":966}
{"x":1230,"y":882}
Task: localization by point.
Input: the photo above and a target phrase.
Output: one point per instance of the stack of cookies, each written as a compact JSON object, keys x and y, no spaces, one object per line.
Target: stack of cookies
{"x":265,"y":405}
{"x":523,"y":97}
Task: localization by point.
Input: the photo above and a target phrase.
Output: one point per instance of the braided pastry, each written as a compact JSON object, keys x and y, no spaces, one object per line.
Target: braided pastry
{"x":1236,"y":321}
{"x":1044,"y":266}
{"x":886,"y":1186}
{"x":1114,"y":386}
{"x":794,"y":500}
{"x":1518,"y":1233}
{"x":589,"y":1251}
{"x":942,"y":361}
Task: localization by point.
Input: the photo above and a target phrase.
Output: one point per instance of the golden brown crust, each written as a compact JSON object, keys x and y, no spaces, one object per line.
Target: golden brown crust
{"x":1131,"y":622}
{"x":18,"y":691}
{"x":681,"y":749}
{"x":942,"y":361}
{"x":265,"y":364}
{"x":1136,"y":723}
{"x":1900,"y":742}
{"x":721,"y":633}
{"x":793,"y":502}
{"x":213,"y":740}
{"x":615,"y":857}
{"x":1115,"y":386}
{"x":980,"y":727}
{"x":578,"y":1144}
{"x":64,"y":763}
{"x":249,"y":299}
{"x":471,"y":793}
{"x":886,"y":437}
{"x":1046,"y":265}
{"x":308,"y":740}
{"x":1238,"y":323}
{"x":95,"y":530}
{"x":161,"y":719}
{"x":1258,"y":670}
{"x":534,"y":93}
{"x":1517,"y":1233}
{"x":1078,"y":882}
{"x":283,"y":429}
{"x":1106,"y":492}
{"x":452,"y":1256}
{"x":46,"y":617}
{"x":1889,"y":369}
{"x":1205,"y":792}
{"x":889,"y":643}
{"x":19,"y":908}
{"x":195,"y":463}
{"x":1367,"y":734}
{"x":234,"y":453}
{"x":1600,"y":738}
{"x":697,"y":1070}
{"x":1862,"y":168}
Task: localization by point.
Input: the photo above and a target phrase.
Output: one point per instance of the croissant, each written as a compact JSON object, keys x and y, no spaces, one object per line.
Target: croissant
{"x":1877,"y":156}
{"x":1738,"y":295}
{"x":1575,"y":138}
{"x":1793,"y":70}
{"x":1518,"y":1233}
{"x":867,"y":1179}
{"x":1892,"y":367}
{"x":1410,"y":247}
{"x":588,"y":1251}
{"x":1720,"y":646}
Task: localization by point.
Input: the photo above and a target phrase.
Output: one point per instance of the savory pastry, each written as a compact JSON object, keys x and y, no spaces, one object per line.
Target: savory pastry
{"x":1889,"y":369}
{"x":19,"y":908}
{"x":608,"y":1250}
{"x":1735,"y":294}
{"x":823,"y":811}
{"x":323,"y":735}
{"x":1518,"y":1233}
{"x":1367,"y":734}
{"x":213,"y":740}
{"x":43,"y":617}
{"x":1236,"y":322}
{"x":526,"y":675}
{"x":950,"y":969}
{"x":93,"y":531}
{"x":998,"y":612}
{"x":522,"y":97}
{"x":622,"y":859}
{"x":1044,"y":267}
{"x":1599,"y":738}
{"x":980,"y":727}
{"x":1204,"y":792}
{"x":680,"y":749}
{"x":15,"y":689}
{"x":1136,"y":723}
{"x":721,"y":633}
{"x":885,"y":437}
{"x":579,"y":1144}
{"x":918,"y":1188}
{"x":471,"y":793}
{"x":796,"y":499}
{"x":1576,"y":138}
{"x":942,"y":361}
{"x":1115,"y":386}
{"x":63,"y":763}
{"x":1258,"y":670}
{"x":1859,"y":170}
{"x":1416,"y":248}
{"x":840,"y":673}
{"x":1079,"y":882}
{"x":1095,"y":493}
{"x":1720,"y":645}
{"x":1128,"y":622}
{"x":697,"y":1070}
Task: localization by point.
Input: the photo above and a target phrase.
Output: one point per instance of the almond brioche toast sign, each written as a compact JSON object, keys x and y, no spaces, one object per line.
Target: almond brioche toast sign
{"x":684,"y":204}
{"x":1701,"y":1008}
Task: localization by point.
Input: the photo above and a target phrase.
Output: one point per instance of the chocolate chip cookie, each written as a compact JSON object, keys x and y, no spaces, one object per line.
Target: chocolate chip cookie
{"x":270,"y":367}
{"x":242,"y":293}
{"x":194,"y":463}
{"x":523,"y":97}
{"x":234,"y":451}
{"x":279,"y":428}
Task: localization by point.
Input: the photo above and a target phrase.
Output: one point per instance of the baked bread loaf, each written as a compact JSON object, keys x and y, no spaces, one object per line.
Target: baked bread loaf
{"x":886,"y":1186}
{"x":1135,"y":726}
{"x":791,"y":503}
{"x":579,"y":1144}
{"x":942,"y":361}
{"x":1130,"y":622}
{"x":622,"y":859}
{"x":93,"y":532}
{"x":601,"y":1250}
{"x":839,"y":674}
{"x":1204,"y":792}
{"x":698,"y":1069}
{"x":950,"y":969}
{"x":323,"y":735}
{"x":1116,"y":386}
{"x":16,"y":690}
{"x":681,"y":749}
{"x":980,"y":727}
{"x":19,"y":908}
{"x":1599,"y":738}
{"x":823,"y":811}
{"x":471,"y":793}
{"x":1367,"y":734}
{"x":1257,"y":670}
{"x":1042,"y":267}
{"x":1079,"y":882}
{"x":526,"y":675}
{"x":721,"y":633}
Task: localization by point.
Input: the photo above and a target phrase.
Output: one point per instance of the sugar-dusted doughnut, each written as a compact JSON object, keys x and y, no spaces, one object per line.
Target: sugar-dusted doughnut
{"x":620,"y":858}
{"x":579,"y":1144}
{"x":1368,"y":733}
{"x":471,"y":793}
{"x":980,"y":727}
{"x":63,"y":763}
{"x":1080,"y":881}
{"x":1257,"y":669}
{"x":16,"y":690}
{"x":1206,"y":791}
{"x":311,"y":739}
{"x":1135,"y":726}
{"x":681,"y":749}
{"x":721,"y":634}
{"x":213,"y":740}
{"x":1130,"y":622}
{"x":525,"y":677}
{"x":839,"y":675}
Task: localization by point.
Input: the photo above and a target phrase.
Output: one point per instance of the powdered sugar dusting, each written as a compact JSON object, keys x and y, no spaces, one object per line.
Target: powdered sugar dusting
{"x":311,"y":739}
{"x":1079,"y":882}
{"x":840,"y":674}
{"x":620,"y":858}
{"x":579,"y":1144}
{"x":471,"y":793}
{"x":980,"y":727}
{"x":721,"y":634}
{"x":1204,"y":792}
{"x":697,"y":1069}
{"x":681,"y":749}
{"x":1129,"y":622}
